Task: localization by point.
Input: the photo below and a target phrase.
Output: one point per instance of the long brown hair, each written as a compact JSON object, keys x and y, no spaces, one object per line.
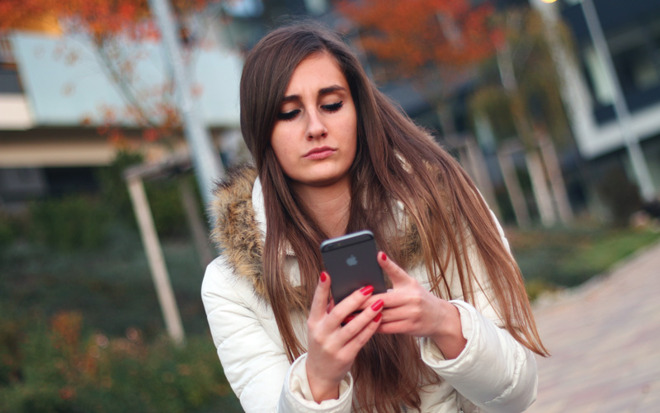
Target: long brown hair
{"x":396,"y":161}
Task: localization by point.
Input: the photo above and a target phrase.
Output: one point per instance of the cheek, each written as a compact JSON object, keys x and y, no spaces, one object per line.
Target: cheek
{"x":282,"y":151}
{"x":278,"y":140}
{"x":353,"y":137}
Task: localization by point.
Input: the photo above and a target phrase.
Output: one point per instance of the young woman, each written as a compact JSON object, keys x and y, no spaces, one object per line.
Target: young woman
{"x":333,"y":155}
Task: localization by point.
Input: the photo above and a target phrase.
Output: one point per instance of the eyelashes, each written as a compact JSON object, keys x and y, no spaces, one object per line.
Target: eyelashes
{"x":288,"y":115}
{"x":331,"y":108}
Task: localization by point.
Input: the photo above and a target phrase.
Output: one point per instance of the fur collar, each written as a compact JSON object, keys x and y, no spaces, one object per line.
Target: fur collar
{"x":236,"y":231}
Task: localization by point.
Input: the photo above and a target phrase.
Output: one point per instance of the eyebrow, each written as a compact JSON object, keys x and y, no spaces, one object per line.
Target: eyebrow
{"x":322,"y":92}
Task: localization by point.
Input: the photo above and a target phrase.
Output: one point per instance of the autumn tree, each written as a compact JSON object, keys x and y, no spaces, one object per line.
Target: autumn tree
{"x":111,"y":26}
{"x":443,"y":44}
{"x":521,"y":101}
{"x":436,"y":45}
{"x":433,"y":42}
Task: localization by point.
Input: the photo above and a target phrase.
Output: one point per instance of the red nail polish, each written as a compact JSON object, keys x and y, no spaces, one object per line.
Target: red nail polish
{"x":378,"y":317}
{"x":377,"y":305}
{"x":366,"y":290}
{"x":348,"y":318}
{"x":324,"y":276}
{"x":383,"y":256}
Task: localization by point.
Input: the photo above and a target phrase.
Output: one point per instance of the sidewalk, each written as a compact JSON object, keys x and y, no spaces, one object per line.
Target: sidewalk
{"x":604,"y":338}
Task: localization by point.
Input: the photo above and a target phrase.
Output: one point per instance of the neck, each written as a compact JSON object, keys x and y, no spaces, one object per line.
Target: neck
{"x":328,"y":205}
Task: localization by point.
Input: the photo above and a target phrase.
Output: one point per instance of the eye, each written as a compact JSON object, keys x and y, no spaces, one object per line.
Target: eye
{"x":288,"y":115}
{"x":333,"y":107}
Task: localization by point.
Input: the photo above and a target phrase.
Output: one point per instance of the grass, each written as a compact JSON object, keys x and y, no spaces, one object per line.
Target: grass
{"x":567,"y":257}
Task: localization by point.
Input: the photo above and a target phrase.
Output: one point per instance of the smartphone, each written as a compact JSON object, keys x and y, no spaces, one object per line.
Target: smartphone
{"x":352,"y":264}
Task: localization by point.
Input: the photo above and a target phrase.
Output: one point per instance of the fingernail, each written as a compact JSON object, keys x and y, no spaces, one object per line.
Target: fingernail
{"x":378,"y":317}
{"x":383,"y":256}
{"x":348,"y":318}
{"x":377,"y":305}
{"x":324,"y":276}
{"x":366,"y":290}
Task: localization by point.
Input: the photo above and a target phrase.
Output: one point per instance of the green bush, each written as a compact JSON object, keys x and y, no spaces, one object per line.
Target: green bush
{"x":82,"y":220}
{"x":163,"y":195}
{"x":620,"y":195}
{"x":113,"y":189}
{"x":167,"y":207}
{"x":76,"y":221}
{"x":566,"y":257}
{"x":6,"y":233}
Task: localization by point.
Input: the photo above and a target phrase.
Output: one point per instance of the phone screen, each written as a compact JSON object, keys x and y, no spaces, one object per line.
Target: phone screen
{"x":352,"y":264}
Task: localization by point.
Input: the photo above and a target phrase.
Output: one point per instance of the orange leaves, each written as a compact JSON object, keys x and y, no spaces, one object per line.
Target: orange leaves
{"x":32,"y":15}
{"x":66,"y":330}
{"x":104,"y":17}
{"x":418,"y":32}
{"x":120,"y":31}
{"x":97,"y":17}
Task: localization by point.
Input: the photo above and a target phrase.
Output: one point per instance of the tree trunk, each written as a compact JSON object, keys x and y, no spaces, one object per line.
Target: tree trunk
{"x":557,"y":184}
{"x":526,"y":135}
{"x":513,"y":187}
{"x":540,"y":188}
{"x":480,"y":174}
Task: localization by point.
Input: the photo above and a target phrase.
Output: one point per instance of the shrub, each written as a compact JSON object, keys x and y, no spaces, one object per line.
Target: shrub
{"x":76,"y":221}
{"x":566,"y":257}
{"x":68,"y":370}
{"x":6,"y":233}
{"x":113,"y":189}
{"x":620,"y":195}
{"x":163,"y":195}
{"x":167,"y":208}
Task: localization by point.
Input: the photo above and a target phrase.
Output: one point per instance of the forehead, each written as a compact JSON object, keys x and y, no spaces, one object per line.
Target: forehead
{"x":316,"y":71}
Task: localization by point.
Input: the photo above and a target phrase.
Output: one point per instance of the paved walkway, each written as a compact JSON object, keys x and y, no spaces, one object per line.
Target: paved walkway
{"x":605,"y":342}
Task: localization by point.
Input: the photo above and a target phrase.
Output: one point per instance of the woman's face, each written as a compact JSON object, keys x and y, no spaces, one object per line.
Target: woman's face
{"x":315,"y":134}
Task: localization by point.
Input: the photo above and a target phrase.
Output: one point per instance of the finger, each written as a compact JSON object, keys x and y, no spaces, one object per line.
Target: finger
{"x":364,"y":335}
{"x":364,"y":325}
{"x":396,"y":274}
{"x":330,"y":306}
{"x":393,"y":327}
{"x":397,"y":314}
{"x":352,"y":303}
{"x":404,"y":296}
{"x":321,"y":297}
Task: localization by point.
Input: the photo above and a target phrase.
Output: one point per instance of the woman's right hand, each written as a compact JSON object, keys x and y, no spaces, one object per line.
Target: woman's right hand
{"x":332,"y":347}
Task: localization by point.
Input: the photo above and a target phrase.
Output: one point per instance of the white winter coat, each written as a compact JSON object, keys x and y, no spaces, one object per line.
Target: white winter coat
{"x":493,"y":373}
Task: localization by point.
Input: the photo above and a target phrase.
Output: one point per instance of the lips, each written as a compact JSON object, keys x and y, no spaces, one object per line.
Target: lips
{"x":320,"y":153}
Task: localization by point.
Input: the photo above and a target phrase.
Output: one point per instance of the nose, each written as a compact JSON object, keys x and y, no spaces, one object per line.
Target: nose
{"x":315,"y":126}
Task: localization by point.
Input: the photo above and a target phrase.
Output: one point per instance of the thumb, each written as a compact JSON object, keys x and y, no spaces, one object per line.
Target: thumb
{"x":321,"y":297}
{"x":395,"y":273}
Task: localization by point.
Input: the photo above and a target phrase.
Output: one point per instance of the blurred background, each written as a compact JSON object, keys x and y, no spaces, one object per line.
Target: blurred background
{"x":116,"y":116}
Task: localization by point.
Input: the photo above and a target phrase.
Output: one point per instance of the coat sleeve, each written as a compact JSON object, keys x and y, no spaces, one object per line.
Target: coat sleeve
{"x":494,"y":371}
{"x":253,"y":358}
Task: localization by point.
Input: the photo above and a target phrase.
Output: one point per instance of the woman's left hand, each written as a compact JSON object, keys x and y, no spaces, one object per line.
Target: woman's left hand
{"x":411,"y":309}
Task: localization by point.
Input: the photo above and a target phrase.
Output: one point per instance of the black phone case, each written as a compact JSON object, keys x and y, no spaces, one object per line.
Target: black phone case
{"x":352,"y":264}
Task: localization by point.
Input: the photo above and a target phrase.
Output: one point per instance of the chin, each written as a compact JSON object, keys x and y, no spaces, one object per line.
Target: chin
{"x":320,"y":181}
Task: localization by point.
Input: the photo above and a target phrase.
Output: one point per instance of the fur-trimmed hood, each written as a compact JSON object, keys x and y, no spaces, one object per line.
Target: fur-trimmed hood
{"x":237,"y":232}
